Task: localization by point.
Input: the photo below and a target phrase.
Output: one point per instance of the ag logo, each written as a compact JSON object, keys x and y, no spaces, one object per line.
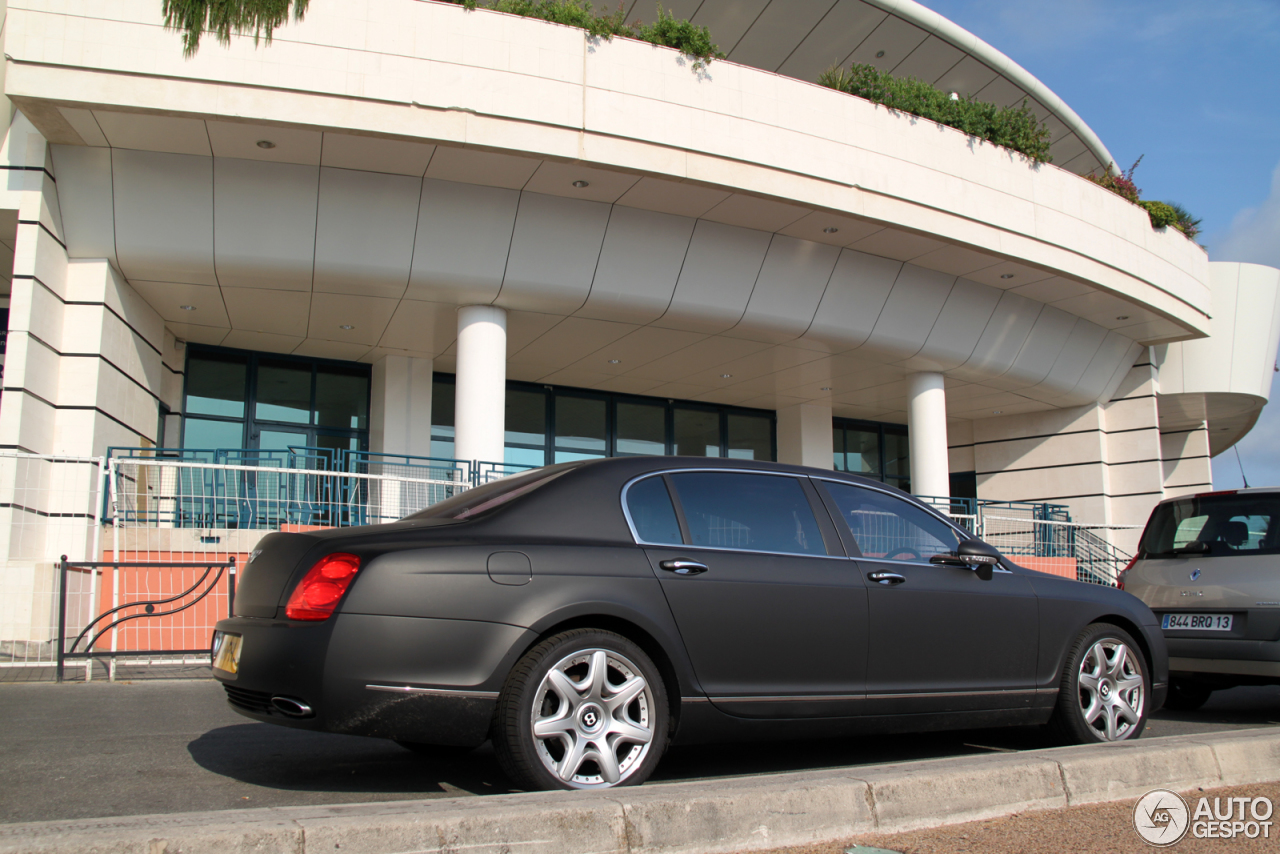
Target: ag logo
{"x":1195,"y":574}
{"x":254,"y":556}
{"x":590,"y":719}
{"x":1161,"y":817}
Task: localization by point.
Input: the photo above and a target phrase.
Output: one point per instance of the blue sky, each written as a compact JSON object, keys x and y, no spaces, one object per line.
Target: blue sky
{"x":1194,"y":87}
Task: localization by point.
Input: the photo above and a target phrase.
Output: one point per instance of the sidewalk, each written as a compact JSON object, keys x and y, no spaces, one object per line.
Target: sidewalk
{"x":1098,"y":829}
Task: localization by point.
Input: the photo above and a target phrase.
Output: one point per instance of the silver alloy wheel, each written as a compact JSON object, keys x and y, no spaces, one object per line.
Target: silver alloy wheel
{"x":592,"y":718}
{"x":1112,"y":690}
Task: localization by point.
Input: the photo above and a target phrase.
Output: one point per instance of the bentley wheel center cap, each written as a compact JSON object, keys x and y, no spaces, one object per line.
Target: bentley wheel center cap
{"x":590,"y":717}
{"x":1105,"y":690}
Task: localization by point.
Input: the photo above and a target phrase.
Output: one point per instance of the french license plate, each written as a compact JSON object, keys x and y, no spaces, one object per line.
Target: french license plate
{"x":1197,"y":622}
{"x":226,"y":652}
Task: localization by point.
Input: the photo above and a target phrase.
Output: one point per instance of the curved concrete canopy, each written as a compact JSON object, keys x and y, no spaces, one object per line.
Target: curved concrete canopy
{"x":349,"y":264}
{"x":802,"y":38}
{"x":1225,"y":379}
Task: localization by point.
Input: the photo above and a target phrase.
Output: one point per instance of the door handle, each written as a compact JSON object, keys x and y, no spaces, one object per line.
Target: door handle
{"x":887,"y":578}
{"x":681,"y":566}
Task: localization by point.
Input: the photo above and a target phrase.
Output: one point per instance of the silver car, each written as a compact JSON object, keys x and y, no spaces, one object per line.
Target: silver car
{"x":1209,"y":567}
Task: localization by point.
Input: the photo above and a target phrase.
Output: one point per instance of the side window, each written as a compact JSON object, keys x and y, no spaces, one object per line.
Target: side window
{"x":766,"y":513}
{"x":652,"y":513}
{"x":889,"y":528}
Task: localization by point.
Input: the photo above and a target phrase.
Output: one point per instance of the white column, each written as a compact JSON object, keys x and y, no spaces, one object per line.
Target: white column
{"x":481,"y":393}
{"x":400,"y":408}
{"x":804,"y":435}
{"x":927,"y":434}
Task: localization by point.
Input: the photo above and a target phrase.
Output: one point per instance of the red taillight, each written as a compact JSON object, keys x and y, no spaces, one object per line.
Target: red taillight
{"x":318,"y":593}
{"x":1120,"y":576}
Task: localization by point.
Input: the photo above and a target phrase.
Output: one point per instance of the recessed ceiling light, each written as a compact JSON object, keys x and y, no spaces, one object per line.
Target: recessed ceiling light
{"x":826,"y":388}
{"x":615,"y":361}
{"x":1122,"y":317}
{"x":831,"y":229}
{"x":187,"y":307}
{"x":879,"y":54}
{"x":997,"y":412}
{"x":266,"y":143}
{"x":725,"y":376}
{"x":346,"y":326}
{"x":581,"y":184}
{"x":1006,"y":275}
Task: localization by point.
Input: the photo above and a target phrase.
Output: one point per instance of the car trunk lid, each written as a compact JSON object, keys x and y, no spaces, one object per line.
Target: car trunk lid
{"x":262,"y":581}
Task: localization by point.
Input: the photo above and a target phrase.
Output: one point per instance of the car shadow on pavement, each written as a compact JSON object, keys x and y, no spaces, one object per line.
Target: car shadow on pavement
{"x":281,"y":758}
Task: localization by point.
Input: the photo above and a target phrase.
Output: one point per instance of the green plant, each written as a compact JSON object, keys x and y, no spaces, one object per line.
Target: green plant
{"x":193,"y":18}
{"x":689,"y":39}
{"x":1161,"y":214}
{"x":1014,"y":128}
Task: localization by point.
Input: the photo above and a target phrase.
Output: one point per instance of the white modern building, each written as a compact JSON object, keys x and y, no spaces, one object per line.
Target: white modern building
{"x":408,"y":228}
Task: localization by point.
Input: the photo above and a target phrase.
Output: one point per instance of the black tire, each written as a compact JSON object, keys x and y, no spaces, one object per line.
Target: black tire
{"x":1185,"y":696}
{"x":1115,"y":706}
{"x":436,"y":751}
{"x":581,"y":712}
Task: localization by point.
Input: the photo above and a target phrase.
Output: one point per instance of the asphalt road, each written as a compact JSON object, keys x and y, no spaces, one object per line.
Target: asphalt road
{"x":98,"y":749}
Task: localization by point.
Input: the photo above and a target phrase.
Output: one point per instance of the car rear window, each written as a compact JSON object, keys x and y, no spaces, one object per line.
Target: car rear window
{"x":756,"y":512}
{"x":491,"y":496}
{"x":1214,"y":525}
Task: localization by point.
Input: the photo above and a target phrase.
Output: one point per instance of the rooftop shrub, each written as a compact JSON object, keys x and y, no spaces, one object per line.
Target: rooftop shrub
{"x":193,"y":18}
{"x":1015,"y":128}
{"x":1161,"y":214}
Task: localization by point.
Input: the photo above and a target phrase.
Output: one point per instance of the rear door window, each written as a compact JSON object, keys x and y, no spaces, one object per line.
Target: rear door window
{"x":755,"y":512}
{"x":889,"y":528}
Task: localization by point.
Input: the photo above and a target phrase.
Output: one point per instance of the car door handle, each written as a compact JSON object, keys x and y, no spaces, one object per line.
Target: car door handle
{"x":887,"y":578}
{"x":680,"y":566}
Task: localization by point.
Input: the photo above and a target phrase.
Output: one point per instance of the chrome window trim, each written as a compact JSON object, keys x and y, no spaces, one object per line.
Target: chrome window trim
{"x":635,"y":536}
{"x":961,"y":532}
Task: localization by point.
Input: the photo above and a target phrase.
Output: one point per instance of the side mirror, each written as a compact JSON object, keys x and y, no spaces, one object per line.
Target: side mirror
{"x":983,"y":557}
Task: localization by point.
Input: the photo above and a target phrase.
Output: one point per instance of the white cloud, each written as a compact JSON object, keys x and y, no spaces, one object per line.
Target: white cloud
{"x":1254,"y":234}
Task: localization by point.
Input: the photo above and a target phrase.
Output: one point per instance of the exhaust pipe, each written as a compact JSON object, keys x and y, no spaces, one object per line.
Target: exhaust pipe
{"x":293,"y":708}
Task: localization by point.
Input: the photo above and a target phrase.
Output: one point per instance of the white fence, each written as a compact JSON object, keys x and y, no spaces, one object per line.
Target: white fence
{"x":162,"y":511}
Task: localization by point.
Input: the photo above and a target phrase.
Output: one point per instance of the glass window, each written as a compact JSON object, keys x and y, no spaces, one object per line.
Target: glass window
{"x":526,"y":418}
{"x":890,"y":528}
{"x":765,"y":513}
{"x":642,"y":429}
{"x":281,"y":440}
{"x":750,"y":437}
{"x":863,"y":452}
{"x":697,"y":433}
{"x":651,"y":512}
{"x":203,"y":433}
{"x":897,"y":453}
{"x":837,"y":449}
{"x":580,"y":424}
{"x":442,"y":420}
{"x":284,"y":392}
{"x":216,"y":385}
{"x":342,"y":399}
{"x":1214,"y":525}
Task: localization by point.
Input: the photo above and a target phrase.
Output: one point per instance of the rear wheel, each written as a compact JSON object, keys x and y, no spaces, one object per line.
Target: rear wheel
{"x":1103,"y":694}
{"x":1185,"y":696}
{"x":585,"y":709}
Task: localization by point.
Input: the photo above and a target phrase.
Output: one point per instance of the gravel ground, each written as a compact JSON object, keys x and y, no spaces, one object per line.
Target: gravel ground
{"x":1098,"y":829}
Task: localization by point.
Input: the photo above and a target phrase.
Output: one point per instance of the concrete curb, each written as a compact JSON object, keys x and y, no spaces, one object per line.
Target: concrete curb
{"x":707,"y":816}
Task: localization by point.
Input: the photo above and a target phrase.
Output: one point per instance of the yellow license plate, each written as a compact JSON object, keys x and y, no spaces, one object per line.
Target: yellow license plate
{"x":226,"y":652}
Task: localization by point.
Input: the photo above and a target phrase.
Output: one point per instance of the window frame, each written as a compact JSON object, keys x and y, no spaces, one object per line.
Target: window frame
{"x":832,"y":542}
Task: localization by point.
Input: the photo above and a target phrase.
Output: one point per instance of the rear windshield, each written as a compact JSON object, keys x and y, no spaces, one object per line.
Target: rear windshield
{"x":491,"y":496}
{"x":1214,"y":526}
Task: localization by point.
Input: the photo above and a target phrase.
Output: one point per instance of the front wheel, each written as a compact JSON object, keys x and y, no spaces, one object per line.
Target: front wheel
{"x":584,"y":709}
{"x":1103,"y":694}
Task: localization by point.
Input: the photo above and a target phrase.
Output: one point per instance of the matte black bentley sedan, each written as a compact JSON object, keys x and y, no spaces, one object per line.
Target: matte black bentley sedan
{"x":586,"y":615}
